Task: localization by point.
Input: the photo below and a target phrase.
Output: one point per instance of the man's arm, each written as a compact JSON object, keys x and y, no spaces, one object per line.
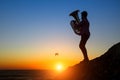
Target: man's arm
{"x":77,"y":32}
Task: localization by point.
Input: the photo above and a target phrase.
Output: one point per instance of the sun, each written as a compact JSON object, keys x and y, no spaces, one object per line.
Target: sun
{"x":59,"y":67}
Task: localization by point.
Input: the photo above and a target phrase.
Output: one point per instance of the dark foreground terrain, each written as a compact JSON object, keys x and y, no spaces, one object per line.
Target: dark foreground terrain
{"x":105,"y":67}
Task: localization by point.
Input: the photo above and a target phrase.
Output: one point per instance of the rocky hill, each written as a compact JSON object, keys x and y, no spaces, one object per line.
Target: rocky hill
{"x":105,"y":67}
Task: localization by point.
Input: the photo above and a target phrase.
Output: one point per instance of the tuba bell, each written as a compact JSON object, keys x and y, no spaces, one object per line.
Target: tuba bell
{"x":74,"y":14}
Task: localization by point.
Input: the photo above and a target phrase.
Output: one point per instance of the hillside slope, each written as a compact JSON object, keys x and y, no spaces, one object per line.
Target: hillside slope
{"x":105,"y":67}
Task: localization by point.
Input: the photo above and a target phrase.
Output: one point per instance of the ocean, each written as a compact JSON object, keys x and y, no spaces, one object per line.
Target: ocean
{"x":27,"y":75}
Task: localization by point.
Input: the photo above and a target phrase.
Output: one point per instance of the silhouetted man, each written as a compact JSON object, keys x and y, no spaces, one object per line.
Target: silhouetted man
{"x":81,"y":28}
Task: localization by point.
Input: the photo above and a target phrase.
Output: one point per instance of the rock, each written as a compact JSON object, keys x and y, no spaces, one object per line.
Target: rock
{"x":105,"y":67}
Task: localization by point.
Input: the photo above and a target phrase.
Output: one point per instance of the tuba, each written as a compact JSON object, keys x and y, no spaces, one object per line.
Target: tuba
{"x":74,"y":14}
{"x":75,"y":23}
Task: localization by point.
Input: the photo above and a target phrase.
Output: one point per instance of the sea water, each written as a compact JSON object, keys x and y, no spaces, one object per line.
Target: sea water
{"x":27,"y":75}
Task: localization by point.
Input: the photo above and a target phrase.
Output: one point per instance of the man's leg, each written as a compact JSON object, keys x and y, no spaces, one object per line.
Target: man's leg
{"x":83,"y":41}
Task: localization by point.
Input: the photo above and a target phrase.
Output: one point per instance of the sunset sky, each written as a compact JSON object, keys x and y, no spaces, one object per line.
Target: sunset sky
{"x":32,"y":31}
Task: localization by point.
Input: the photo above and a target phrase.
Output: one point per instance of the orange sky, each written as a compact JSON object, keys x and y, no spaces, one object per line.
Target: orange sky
{"x":37,"y":64}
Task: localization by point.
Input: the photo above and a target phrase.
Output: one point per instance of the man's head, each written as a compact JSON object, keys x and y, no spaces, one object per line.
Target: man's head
{"x":84,"y":14}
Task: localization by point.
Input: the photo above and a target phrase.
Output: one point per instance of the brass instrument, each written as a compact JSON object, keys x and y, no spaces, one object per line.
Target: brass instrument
{"x":75,"y":23}
{"x":74,"y":14}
